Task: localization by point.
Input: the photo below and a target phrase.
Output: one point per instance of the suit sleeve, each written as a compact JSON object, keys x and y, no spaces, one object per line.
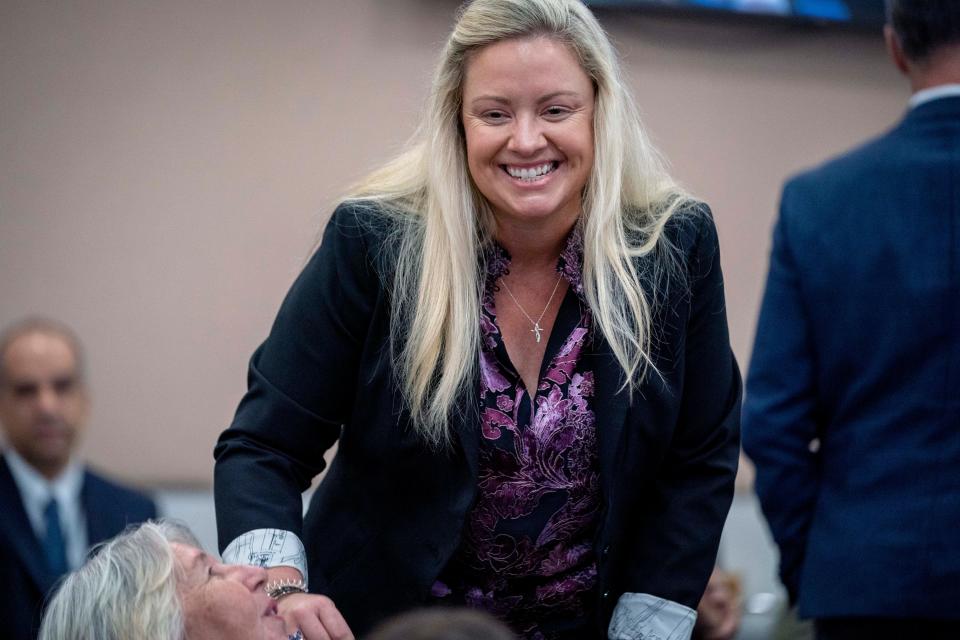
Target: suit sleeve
{"x":301,"y":384}
{"x":150,"y":511}
{"x":780,"y":407}
{"x":684,"y":514}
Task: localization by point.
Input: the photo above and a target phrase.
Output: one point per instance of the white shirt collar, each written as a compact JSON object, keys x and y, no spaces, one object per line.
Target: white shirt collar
{"x":934,"y":93}
{"x":36,"y":491}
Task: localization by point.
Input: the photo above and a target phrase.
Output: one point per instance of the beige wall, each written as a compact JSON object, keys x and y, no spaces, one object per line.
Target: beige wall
{"x":164,"y":167}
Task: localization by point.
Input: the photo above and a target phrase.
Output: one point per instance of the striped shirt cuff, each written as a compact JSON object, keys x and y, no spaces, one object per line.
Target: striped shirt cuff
{"x":268,"y":548}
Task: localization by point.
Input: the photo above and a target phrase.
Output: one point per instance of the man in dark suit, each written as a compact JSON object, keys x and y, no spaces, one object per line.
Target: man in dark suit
{"x":852,"y":414}
{"x":53,"y":508}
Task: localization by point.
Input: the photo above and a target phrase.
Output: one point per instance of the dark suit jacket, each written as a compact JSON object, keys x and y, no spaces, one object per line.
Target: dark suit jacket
{"x":388,"y":515}
{"x":27,"y":583}
{"x":858,"y":345}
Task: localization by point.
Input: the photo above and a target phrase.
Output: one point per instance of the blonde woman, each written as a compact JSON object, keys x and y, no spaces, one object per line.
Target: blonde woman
{"x":517,"y":333}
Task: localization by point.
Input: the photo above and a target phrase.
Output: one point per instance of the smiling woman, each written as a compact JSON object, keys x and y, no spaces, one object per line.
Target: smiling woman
{"x":528,"y":128}
{"x":516,"y":330}
{"x":153,"y":583}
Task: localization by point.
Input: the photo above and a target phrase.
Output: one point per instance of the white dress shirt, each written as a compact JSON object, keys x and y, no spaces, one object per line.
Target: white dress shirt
{"x":35,"y":493}
{"x":934,"y":93}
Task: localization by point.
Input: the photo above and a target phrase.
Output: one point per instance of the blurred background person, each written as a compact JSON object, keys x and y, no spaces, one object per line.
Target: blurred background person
{"x":852,"y":414}
{"x":442,"y":623}
{"x":152,"y":582}
{"x":53,"y":506}
{"x":517,"y":331}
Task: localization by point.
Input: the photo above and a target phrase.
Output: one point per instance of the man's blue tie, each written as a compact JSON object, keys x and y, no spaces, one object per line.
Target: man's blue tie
{"x":53,"y":544}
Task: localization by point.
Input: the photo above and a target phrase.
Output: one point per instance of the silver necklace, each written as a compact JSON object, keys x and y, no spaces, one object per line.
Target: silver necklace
{"x":537,"y":329}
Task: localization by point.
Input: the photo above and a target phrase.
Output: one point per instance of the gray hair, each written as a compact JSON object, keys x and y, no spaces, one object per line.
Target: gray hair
{"x":126,"y":589}
{"x":46,"y":326}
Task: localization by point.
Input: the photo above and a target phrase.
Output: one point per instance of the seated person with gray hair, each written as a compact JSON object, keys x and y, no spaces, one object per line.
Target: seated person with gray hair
{"x":153,"y":582}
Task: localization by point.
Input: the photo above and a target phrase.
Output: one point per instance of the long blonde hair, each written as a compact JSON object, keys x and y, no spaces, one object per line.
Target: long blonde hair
{"x":444,"y":222}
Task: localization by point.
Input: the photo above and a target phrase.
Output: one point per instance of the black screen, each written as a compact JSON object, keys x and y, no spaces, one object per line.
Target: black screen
{"x":861,"y":13}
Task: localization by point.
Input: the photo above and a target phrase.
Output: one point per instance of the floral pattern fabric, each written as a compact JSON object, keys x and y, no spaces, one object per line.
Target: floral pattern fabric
{"x":527,"y":548}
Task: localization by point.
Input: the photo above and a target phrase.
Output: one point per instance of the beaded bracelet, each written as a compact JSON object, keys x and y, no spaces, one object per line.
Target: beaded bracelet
{"x":281,"y":588}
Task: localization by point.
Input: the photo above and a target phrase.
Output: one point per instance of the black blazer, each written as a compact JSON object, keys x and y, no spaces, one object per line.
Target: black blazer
{"x":388,"y":515}
{"x":109,"y":508}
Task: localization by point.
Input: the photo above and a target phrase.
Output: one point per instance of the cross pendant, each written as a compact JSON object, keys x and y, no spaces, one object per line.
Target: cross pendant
{"x":536,"y":330}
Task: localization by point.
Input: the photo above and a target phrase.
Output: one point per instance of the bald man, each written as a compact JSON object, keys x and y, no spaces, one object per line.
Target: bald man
{"x":53,"y":508}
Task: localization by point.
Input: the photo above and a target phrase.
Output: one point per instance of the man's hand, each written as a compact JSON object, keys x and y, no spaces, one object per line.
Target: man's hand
{"x":315,"y":616}
{"x":719,"y":611}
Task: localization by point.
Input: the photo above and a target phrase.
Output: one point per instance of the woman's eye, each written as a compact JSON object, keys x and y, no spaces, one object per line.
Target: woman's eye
{"x":556,"y":112}
{"x":495,"y":116}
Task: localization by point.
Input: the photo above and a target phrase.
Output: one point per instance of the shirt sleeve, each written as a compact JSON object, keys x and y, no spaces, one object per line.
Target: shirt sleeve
{"x":268,"y":548}
{"x":640,"y":615}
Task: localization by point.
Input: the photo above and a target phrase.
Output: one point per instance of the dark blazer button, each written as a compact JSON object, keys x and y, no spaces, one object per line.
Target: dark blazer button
{"x":606,"y":595}
{"x":606,"y":551}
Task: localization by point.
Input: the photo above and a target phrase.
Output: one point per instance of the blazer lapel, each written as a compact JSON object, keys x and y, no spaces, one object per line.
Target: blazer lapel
{"x":19,"y":532}
{"x":610,"y":408}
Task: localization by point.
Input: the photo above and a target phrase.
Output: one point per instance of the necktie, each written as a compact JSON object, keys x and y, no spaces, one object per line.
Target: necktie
{"x":53,"y":545}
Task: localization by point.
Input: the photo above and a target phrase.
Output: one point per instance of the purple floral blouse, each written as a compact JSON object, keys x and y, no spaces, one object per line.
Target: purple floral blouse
{"x":527,"y":549}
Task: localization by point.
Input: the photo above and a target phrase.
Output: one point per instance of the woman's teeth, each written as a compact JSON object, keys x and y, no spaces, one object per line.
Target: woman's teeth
{"x":532,"y":173}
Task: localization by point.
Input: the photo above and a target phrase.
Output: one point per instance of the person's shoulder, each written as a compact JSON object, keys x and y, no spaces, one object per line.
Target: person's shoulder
{"x":4,"y":466}
{"x":692,"y":231}
{"x":123,"y":496}
{"x":367,"y":232}
{"x":685,"y":250}
{"x":8,"y":486}
{"x":843,"y":171}
{"x":368,"y":220}
{"x":9,"y":490}
{"x":831,"y":194}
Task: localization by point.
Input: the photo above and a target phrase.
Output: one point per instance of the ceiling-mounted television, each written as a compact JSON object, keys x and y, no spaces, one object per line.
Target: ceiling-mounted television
{"x":863,"y":14}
